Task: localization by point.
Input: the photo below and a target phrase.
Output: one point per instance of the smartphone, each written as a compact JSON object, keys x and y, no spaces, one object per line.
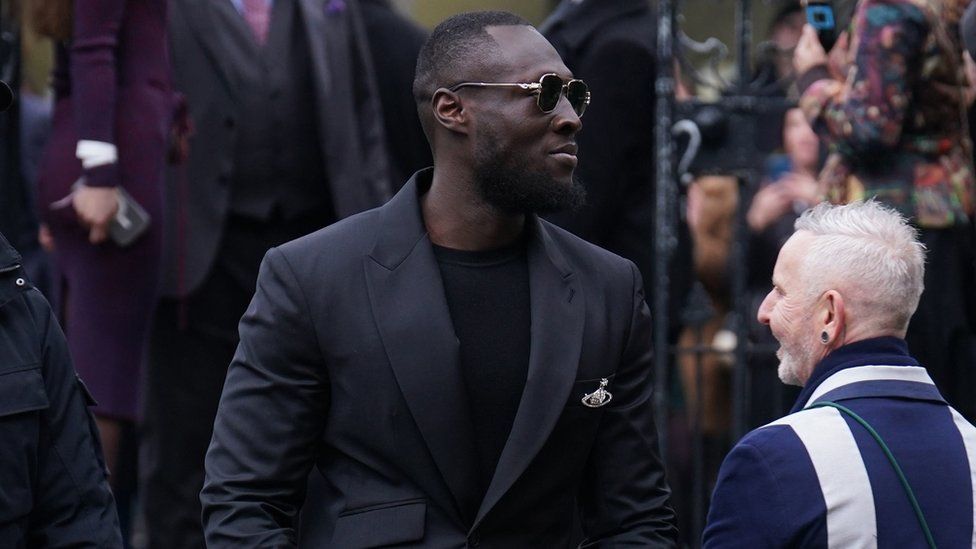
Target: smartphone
{"x":820,"y":16}
{"x":130,"y":222}
{"x":777,"y":165}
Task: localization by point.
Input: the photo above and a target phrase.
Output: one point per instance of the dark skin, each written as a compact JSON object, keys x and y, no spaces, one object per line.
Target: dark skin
{"x":454,"y":212}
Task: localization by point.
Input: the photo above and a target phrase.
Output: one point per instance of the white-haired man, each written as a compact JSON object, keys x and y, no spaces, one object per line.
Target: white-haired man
{"x":871,"y":455}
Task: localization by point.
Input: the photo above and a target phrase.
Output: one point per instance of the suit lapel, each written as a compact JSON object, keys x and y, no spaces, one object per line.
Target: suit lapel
{"x":321,"y":32}
{"x":410,"y":308}
{"x":557,"y":305}
{"x":230,"y":51}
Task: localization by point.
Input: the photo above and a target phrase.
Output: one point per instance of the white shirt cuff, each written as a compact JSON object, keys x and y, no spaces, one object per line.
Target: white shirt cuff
{"x":96,"y":153}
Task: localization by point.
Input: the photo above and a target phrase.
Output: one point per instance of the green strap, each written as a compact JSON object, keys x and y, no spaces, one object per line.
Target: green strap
{"x":891,"y":459}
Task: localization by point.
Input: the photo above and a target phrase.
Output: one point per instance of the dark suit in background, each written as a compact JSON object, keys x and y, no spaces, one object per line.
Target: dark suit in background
{"x":611,"y":45}
{"x":394,"y":42}
{"x":288,"y":138}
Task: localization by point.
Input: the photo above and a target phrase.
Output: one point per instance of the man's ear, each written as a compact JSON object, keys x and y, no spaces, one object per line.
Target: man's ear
{"x":833,"y":316}
{"x":448,"y":110}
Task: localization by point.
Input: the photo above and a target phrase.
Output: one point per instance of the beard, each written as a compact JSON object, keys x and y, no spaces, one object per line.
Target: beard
{"x":794,"y":360}
{"x":509,"y":183}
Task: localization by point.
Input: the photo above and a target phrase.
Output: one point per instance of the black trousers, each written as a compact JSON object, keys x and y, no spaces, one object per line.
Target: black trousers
{"x":942,"y":333}
{"x":192,"y":343}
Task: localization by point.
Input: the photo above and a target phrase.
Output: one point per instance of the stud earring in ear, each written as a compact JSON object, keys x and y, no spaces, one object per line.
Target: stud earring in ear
{"x":824,"y":338}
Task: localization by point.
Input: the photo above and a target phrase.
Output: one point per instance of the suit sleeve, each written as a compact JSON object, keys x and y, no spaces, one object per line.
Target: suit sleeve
{"x":73,"y":504}
{"x":270,"y":416}
{"x":624,"y":495}
{"x":94,"y":81}
{"x":747,"y":507}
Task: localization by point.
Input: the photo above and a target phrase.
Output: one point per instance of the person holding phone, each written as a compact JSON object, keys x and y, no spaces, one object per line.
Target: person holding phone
{"x":889,"y":100}
{"x":110,"y":132}
{"x":790,"y":185}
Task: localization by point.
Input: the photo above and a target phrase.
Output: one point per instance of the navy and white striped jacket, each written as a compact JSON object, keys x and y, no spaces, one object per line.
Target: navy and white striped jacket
{"x":816,"y":478}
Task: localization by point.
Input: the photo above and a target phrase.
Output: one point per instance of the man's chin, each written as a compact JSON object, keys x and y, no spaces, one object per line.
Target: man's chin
{"x":788,"y":375}
{"x":543,"y":196}
{"x":514,"y":187}
{"x":571,"y":194}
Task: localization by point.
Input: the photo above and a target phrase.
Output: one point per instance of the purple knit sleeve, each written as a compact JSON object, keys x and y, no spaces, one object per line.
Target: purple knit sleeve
{"x":93,"y":77}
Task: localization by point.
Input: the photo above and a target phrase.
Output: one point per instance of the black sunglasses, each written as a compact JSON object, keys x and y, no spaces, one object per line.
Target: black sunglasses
{"x":547,"y":91}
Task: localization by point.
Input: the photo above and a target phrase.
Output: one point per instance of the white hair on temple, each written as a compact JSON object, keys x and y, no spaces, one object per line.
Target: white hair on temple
{"x":873,"y":253}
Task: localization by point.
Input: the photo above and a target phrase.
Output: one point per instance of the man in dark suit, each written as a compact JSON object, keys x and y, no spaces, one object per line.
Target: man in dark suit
{"x":394,"y":42}
{"x":461,"y":372}
{"x":287,"y":137}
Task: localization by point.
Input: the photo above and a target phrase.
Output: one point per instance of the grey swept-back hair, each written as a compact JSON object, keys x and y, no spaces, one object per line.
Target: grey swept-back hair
{"x":871,"y":254}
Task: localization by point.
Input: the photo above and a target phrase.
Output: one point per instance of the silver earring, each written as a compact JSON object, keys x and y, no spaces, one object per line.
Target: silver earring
{"x":824,"y":338}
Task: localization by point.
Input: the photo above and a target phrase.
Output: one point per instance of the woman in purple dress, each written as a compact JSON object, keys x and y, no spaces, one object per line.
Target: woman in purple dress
{"x":112,"y":119}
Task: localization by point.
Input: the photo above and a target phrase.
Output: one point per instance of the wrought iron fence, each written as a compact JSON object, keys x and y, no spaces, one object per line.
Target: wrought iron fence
{"x":731,"y":134}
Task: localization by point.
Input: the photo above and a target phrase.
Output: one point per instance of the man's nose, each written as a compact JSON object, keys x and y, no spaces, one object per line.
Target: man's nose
{"x":566,"y":121}
{"x":764,"y":309}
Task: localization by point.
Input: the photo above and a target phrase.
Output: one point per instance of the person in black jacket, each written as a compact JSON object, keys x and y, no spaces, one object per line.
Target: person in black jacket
{"x":394,"y":43}
{"x":611,"y":44}
{"x":461,"y":372}
{"x":53,"y":483}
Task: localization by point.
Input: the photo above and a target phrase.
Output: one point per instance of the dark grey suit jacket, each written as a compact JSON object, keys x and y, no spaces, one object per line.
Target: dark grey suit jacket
{"x":348,"y":361}
{"x":208,"y":68}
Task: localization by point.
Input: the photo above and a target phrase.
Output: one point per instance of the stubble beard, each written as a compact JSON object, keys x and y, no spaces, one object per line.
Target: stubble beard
{"x":794,"y":359}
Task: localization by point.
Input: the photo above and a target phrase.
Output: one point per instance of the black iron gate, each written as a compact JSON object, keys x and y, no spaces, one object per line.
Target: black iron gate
{"x":730,"y":135}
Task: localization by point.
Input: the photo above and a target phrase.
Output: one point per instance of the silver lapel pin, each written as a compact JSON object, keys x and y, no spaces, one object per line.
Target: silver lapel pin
{"x":599,"y":397}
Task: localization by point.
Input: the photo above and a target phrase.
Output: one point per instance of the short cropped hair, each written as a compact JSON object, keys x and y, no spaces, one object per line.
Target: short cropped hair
{"x":871,"y":251}
{"x":454,"y":46}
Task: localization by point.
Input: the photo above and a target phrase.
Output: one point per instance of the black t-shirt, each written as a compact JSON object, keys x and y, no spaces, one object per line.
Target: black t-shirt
{"x":488,"y":297}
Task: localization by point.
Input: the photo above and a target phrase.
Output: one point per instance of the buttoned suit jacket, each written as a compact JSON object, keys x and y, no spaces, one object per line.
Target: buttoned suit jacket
{"x":348,"y":359}
{"x":209,"y":66}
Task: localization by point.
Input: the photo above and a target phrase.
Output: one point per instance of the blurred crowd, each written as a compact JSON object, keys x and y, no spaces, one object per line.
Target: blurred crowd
{"x":226,"y":127}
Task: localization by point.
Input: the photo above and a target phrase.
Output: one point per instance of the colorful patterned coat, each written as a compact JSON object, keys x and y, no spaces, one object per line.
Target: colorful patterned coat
{"x":895,"y":128}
